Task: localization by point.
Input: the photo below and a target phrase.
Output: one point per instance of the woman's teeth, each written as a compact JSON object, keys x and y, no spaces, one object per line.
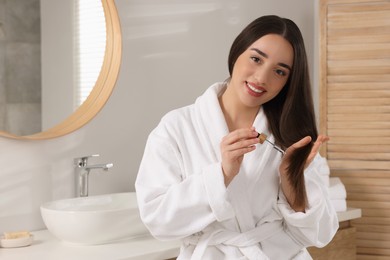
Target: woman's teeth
{"x":254,"y":89}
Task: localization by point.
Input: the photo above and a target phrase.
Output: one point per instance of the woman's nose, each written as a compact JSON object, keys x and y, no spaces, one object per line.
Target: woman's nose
{"x":262,"y":76}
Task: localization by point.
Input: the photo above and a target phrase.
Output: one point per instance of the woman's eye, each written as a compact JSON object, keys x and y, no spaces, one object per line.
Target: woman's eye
{"x":256,"y":59}
{"x":280,"y":73}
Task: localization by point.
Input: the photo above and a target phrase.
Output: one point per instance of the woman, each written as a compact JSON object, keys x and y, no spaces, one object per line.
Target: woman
{"x":205,"y":178}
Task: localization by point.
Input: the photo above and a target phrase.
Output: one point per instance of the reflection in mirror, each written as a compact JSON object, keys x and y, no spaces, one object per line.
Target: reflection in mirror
{"x":45,"y":64}
{"x":71,"y":62}
{"x":20,"y":70}
{"x":30,"y":103}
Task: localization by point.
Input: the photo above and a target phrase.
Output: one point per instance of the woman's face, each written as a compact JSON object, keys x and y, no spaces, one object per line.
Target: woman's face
{"x":260,"y":72}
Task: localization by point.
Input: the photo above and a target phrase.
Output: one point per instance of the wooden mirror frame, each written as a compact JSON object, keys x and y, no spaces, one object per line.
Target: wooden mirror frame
{"x":102,"y":89}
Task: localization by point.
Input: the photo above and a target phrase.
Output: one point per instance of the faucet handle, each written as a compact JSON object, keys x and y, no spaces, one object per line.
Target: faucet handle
{"x":82,"y":161}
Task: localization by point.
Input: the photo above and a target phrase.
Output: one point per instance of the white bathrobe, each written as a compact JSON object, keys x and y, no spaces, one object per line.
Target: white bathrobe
{"x":181,"y":192}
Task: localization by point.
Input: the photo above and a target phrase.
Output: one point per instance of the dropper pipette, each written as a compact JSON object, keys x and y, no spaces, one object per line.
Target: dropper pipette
{"x":263,"y":138}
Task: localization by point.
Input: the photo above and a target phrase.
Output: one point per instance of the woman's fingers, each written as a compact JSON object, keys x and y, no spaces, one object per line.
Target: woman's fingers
{"x":233,"y":148}
{"x":301,"y":143}
{"x":241,"y":151}
{"x":242,"y":144}
{"x":305,"y":141}
{"x":239,"y":142}
{"x":239,"y":134}
{"x":316,"y":147}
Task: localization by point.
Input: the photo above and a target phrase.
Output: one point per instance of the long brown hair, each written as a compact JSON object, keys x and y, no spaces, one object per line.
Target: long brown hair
{"x":291,"y":113}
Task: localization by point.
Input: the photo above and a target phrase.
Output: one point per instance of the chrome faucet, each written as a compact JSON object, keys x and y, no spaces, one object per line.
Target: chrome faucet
{"x":82,"y":170}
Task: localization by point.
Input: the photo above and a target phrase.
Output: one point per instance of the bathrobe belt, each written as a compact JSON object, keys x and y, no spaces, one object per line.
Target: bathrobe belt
{"x":247,"y":242}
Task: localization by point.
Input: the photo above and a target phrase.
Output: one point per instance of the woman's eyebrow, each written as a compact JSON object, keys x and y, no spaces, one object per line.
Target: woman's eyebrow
{"x":266,"y":56}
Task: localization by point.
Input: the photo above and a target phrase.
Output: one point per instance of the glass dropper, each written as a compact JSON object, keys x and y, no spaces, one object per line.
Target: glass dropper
{"x":263,"y":138}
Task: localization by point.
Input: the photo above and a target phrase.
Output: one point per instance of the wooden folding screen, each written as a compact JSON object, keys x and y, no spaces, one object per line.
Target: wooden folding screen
{"x":355,"y":112}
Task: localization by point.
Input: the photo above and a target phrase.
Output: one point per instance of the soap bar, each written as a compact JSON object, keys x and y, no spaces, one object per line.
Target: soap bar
{"x":16,"y":239}
{"x":262,"y":137}
{"x":13,"y":235}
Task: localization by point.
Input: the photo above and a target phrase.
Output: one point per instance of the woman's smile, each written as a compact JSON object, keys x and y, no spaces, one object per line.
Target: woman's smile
{"x":254,"y":90}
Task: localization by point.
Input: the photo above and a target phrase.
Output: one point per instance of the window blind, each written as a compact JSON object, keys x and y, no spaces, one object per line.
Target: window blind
{"x":90,"y":44}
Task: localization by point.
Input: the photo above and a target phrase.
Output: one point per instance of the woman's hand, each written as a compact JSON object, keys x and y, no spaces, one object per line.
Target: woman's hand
{"x":286,"y":186}
{"x":316,"y":147}
{"x":233,"y":147}
{"x":303,"y":142}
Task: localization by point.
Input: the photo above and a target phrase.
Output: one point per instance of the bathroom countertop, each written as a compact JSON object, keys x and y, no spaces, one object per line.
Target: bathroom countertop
{"x":351,"y":213}
{"x":46,"y":246}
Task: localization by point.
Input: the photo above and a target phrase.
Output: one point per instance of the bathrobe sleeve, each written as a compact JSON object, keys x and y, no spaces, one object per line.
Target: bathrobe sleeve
{"x":174,"y":204}
{"x":319,"y":223}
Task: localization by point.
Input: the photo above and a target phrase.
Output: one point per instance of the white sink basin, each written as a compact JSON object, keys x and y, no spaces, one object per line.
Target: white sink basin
{"x":94,"y":220}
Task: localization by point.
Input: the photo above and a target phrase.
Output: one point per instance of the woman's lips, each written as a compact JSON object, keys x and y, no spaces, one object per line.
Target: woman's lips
{"x":254,"y":90}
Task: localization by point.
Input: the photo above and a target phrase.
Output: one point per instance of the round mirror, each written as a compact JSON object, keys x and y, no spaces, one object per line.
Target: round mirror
{"x":62,"y":80}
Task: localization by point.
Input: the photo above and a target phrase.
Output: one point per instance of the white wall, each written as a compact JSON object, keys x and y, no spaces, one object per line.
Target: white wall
{"x":171,"y":53}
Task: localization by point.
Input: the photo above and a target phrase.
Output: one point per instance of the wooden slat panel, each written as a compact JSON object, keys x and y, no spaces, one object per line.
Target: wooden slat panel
{"x":359,"y":110}
{"x":367,"y":181}
{"x":339,"y":100}
{"x":357,"y":101}
{"x":359,"y":132}
{"x":354,"y":20}
{"x":354,"y":16}
{"x":373,"y":221}
{"x":374,"y":236}
{"x":359,"y":125}
{"x":368,"y":197}
{"x":376,"y":256}
{"x":365,"y":189}
{"x":367,"y":94}
{"x":354,"y":36}
{"x":358,"y":78}
{"x":361,"y":173}
{"x":358,"y":51}
{"x":355,"y":105}
{"x":372,"y":243}
{"x":359,"y":148}
{"x":322,"y":70}
{"x":354,"y":164}
{"x":372,"y":254}
{"x":377,"y":213}
{"x":364,"y":118}
{"x":369,"y":205}
{"x":357,"y":86}
{"x":358,"y":8}
{"x":373,"y":228}
{"x":358,"y":156}
{"x":344,"y":15}
{"x":331,"y":2}
{"x":353,"y":140}
{"x":351,"y":67}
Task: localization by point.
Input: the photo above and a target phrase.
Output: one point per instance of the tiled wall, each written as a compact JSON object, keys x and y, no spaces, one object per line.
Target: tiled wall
{"x":20,"y":66}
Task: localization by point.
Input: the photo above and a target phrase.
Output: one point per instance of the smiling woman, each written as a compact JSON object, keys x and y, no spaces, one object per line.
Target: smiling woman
{"x":101,"y":90}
